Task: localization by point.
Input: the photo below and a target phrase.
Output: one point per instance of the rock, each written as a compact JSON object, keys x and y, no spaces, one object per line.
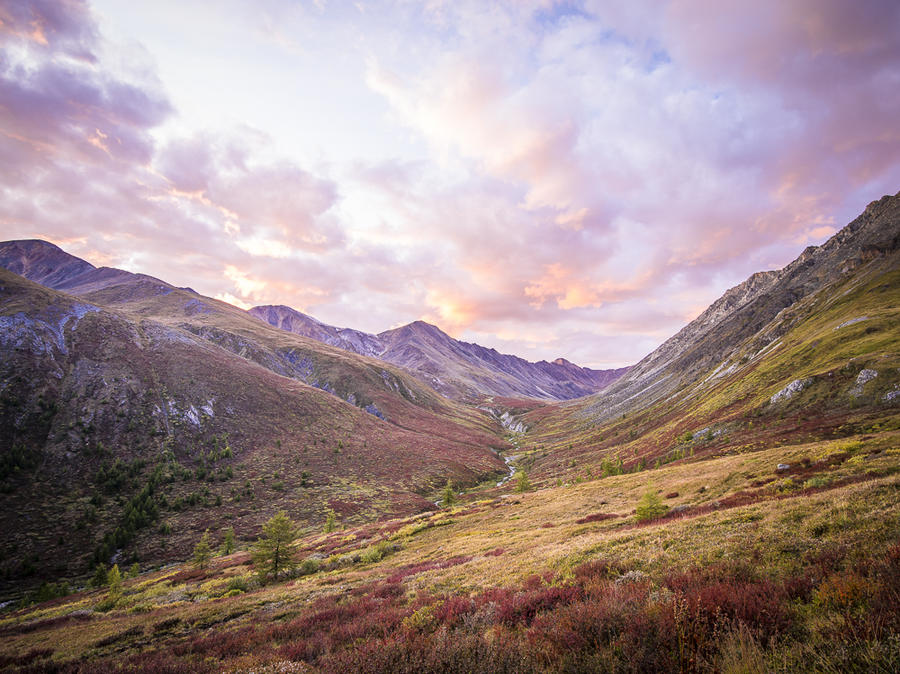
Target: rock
{"x":679,"y":509}
{"x":374,"y":411}
{"x":863,"y":378}
{"x":790,"y":390}
{"x":633,"y":576}
{"x":851,"y":322}
{"x":782,"y":467}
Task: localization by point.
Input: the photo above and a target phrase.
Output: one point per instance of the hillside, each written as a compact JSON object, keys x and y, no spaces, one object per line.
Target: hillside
{"x":135,"y":407}
{"x":457,"y":369}
{"x":807,"y":352}
{"x":745,"y":520}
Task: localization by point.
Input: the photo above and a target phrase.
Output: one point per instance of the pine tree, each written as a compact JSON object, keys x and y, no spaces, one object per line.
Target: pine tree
{"x":202,"y":551}
{"x":114,"y":578}
{"x":272,"y":553}
{"x":228,"y":541}
{"x":449,"y":497}
{"x":650,"y":506}
{"x":100,"y":577}
{"x":330,"y":522}
{"x":523,"y":484}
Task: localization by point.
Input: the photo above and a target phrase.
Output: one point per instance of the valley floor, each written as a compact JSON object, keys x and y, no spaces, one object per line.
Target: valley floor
{"x":744,"y":567}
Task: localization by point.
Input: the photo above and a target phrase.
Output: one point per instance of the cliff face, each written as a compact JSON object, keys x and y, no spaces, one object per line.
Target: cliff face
{"x":743,"y":311}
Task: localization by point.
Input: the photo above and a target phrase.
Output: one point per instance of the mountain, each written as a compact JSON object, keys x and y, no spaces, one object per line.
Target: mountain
{"x":748,"y":310}
{"x":745,"y":519}
{"x":456,"y":369}
{"x":292,"y":320}
{"x":41,"y":262}
{"x":809,"y":351}
{"x":128,"y":405}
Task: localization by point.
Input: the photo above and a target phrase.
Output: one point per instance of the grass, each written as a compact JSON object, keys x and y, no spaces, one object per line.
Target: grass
{"x":412,"y":573}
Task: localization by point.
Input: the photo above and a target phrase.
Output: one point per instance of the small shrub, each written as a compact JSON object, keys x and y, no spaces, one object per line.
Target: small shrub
{"x":237,"y":585}
{"x":816,"y":482}
{"x":376,"y":552}
{"x":309,"y":566}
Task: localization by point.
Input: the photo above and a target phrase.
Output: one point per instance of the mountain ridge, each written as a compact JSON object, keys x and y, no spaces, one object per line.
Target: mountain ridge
{"x":744,"y":309}
{"x":452,"y":367}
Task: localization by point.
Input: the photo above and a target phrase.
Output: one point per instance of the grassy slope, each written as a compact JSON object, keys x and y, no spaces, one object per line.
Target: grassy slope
{"x":781,"y":536}
{"x":733,"y":399}
{"x":121,"y":393}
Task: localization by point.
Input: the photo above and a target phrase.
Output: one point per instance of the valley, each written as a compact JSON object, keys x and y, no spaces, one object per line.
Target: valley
{"x":729,"y":503}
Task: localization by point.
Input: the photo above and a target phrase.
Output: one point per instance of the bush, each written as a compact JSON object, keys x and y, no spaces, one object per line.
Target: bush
{"x":309,"y":566}
{"x":376,"y":552}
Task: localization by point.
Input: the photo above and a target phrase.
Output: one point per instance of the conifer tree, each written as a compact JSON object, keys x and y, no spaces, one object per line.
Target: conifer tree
{"x":272,"y":553}
{"x":202,"y":551}
{"x":449,"y":498}
{"x":523,"y":484}
{"x":228,"y":541}
{"x":330,"y":522}
{"x":114,"y":578}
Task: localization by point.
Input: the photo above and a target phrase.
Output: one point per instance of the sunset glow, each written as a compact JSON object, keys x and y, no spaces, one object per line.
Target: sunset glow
{"x":572,"y":179}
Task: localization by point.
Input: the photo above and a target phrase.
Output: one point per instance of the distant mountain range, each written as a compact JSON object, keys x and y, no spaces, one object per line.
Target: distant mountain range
{"x":457,"y":369}
{"x":454,"y":368}
{"x":113,"y":382}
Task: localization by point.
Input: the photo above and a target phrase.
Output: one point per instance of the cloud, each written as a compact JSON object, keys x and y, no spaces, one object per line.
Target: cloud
{"x":560,"y":179}
{"x":61,"y":27}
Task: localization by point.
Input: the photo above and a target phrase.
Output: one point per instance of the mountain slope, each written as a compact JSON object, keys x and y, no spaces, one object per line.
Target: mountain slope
{"x":808,"y":352}
{"x":714,"y":336}
{"x":134,"y":385}
{"x":456,"y":369}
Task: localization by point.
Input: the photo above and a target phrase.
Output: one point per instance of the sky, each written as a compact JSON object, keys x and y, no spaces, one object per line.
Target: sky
{"x":551,"y":179}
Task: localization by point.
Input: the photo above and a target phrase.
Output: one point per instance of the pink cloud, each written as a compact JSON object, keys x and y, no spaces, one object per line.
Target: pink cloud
{"x":580,"y":181}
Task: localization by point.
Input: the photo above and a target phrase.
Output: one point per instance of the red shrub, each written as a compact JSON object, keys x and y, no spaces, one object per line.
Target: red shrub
{"x":598,"y":569}
{"x":597,"y":517}
{"x":522,"y":607}
{"x":760,"y":604}
{"x":453,"y":609}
